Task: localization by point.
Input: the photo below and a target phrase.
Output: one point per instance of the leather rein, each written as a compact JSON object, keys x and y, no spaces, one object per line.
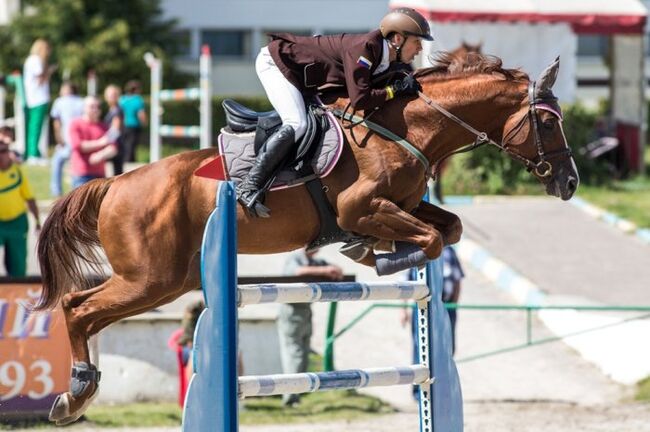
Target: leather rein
{"x":542,"y":168}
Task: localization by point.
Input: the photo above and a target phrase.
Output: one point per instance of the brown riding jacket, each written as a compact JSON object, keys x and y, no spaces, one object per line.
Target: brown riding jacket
{"x":347,"y":60}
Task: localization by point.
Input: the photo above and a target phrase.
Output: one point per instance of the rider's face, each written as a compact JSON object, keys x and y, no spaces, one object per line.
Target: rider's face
{"x":411,"y":48}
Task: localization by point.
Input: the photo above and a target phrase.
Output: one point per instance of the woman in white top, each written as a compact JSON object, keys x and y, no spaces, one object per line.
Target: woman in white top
{"x":36,"y":77}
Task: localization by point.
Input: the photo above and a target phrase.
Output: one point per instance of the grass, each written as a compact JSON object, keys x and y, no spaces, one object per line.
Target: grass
{"x":318,"y":407}
{"x":628,"y":199}
{"x":643,"y":390}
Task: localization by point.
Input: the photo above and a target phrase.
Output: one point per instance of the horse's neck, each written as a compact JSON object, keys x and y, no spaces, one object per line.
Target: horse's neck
{"x":484,"y":103}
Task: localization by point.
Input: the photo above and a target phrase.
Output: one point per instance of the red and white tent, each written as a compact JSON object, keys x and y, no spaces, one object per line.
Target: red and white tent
{"x":584,"y":16}
{"x":531,"y":33}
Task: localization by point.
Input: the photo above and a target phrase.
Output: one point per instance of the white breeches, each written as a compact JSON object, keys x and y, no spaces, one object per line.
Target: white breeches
{"x":284,"y":96}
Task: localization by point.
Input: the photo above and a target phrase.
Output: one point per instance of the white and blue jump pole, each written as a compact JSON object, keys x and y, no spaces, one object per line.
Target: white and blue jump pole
{"x":203,"y":94}
{"x":211,"y":402}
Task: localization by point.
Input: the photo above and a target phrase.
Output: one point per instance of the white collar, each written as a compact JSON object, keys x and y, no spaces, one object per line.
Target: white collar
{"x":385,"y":59}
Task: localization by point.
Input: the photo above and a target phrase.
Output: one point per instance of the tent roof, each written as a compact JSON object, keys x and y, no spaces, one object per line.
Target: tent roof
{"x":585,"y":16}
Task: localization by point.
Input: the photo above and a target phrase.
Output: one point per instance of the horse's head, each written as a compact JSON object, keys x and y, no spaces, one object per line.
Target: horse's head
{"x":534,"y":136}
{"x":465,"y":48}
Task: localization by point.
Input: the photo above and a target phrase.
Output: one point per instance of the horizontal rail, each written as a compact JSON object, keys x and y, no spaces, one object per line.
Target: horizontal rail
{"x":180,"y":94}
{"x":547,"y":307}
{"x":266,"y":385}
{"x":330,"y":291}
{"x":180,"y":131}
{"x":330,"y":338}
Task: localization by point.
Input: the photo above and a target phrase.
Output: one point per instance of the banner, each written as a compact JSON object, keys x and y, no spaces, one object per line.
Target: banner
{"x":34,"y":353}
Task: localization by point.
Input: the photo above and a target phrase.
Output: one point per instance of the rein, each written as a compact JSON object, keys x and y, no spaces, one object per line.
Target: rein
{"x":363,"y":121}
{"x":542,"y":169}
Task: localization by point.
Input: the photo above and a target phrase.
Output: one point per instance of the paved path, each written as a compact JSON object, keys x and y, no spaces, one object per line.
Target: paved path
{"x":561,"y":249}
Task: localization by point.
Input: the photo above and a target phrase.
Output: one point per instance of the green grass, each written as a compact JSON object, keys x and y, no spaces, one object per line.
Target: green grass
{"x":326,"y":406}
{"x":643,"y":390}
{"x":135,"y":415}
{"x":628,"y":199}
{"x":319,"y":407}
{"x":39,"y":178}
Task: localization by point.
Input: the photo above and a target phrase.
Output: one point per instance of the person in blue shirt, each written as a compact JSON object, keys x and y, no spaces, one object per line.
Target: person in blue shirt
{"x":135,"y":118}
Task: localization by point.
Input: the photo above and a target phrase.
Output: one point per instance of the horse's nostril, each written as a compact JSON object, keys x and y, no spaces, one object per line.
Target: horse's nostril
{"x":571,"y":184}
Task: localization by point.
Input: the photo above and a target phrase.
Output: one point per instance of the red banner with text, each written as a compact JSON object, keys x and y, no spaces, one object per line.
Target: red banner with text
{"x":34,"y":353}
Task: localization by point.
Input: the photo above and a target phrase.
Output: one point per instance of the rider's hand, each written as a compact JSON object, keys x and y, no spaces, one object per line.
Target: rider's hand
{"x":406,"y":86}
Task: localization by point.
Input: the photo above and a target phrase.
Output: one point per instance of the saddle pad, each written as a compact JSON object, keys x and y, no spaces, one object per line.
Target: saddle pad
{"x":239,"y":155}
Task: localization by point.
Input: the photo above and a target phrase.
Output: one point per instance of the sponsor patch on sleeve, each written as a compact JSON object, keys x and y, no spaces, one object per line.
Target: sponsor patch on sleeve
{"x":364,"y":62}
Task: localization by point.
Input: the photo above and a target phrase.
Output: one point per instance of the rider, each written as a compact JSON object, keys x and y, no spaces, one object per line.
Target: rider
{"x":292,"y":67}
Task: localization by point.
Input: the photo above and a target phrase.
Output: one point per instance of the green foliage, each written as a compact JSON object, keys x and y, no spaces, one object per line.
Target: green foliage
{"x":109,"y":37}
{"x":643,"y":390}
{"x":579,"y":130}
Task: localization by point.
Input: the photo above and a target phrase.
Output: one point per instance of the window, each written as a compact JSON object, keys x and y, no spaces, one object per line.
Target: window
{"x":593,"y":45}
{"x":227,"y":43}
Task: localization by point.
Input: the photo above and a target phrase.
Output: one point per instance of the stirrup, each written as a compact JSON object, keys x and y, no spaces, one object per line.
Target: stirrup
{"x":253,"y":206}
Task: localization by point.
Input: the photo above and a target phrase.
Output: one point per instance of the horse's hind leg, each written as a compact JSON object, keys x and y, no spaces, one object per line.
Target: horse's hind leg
{"x":86,"y":313}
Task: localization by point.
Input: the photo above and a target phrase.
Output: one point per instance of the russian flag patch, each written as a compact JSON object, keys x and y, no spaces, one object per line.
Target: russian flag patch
{"x":364,"y":62}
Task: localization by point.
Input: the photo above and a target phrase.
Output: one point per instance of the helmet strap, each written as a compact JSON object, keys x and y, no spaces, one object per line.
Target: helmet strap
{"x":398,"y":49}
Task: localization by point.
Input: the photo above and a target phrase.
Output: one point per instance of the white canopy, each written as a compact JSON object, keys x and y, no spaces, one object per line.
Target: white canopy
{"x":584,"y":16}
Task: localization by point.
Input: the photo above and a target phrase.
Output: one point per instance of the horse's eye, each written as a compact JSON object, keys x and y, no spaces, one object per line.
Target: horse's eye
{"x":549,"y":124}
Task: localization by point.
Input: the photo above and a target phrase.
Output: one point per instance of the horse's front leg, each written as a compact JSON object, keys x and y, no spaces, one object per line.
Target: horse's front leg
{"x":385,"y":220}
{"x":444,"y":221}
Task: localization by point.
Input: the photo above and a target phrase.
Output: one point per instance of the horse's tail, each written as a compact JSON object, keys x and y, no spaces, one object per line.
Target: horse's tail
{"x":68,"y":244}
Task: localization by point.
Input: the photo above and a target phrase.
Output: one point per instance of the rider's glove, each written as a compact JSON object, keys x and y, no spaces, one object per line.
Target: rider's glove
{"x":405,"y":86}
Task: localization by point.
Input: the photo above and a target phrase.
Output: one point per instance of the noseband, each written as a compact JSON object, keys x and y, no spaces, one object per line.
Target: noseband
{"x":543,"y":168}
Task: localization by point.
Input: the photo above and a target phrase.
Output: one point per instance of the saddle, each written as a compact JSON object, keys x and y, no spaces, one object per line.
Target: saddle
{"x":314,"y":157}
{"x":240,"y":119}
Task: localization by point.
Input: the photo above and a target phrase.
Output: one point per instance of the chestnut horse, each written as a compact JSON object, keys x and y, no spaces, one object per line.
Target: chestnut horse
{"x":150,"y":221}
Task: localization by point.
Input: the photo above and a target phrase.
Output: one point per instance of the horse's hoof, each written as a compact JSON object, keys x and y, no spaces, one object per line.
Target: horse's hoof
{"x":356,"y":250}
{"x":62,"y":413}
{"x":60,"y":408}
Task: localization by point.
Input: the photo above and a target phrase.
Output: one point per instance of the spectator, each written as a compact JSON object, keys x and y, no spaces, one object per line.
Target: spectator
{"x":183,"y":339}
{"x":294,"y":321}
{"x":135,"y":117}
{"x":67,"y":107}
{"x":186,"y":341}
{"x":36,"y":78}
{"x":15,"y":198}
{"x":114,"y":120}
{"x":91,"y":143}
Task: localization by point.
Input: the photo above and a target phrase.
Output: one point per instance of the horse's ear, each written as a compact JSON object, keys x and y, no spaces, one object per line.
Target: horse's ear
{"x":548,"y":76}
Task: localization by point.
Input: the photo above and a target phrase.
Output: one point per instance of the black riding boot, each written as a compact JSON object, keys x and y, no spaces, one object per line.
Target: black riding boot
{"x":250,"y":192}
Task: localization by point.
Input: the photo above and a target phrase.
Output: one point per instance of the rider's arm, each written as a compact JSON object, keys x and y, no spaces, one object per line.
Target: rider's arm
{"x":358,"y":62}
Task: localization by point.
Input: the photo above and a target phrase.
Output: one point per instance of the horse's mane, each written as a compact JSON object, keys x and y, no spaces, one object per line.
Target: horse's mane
{"x":446,"y":64}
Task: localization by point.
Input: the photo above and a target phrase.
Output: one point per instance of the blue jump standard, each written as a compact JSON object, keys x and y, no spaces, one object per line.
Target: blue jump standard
{"x":211,"y":402}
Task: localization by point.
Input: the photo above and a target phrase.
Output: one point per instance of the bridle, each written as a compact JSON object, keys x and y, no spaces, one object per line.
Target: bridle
{"x":543,"y":168}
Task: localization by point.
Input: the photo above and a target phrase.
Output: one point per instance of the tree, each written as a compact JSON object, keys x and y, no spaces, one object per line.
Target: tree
{"x":107,"y":36}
